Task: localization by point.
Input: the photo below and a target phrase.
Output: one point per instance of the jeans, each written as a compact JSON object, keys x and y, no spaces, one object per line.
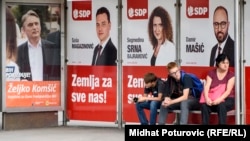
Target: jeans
{"x":221,"y":109}
{"x":150,"y":105}
{"x":185,"y":106}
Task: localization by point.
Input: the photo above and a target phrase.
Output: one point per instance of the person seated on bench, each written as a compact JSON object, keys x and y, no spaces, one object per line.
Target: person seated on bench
{"x":156,"y":87}
{"x":224,"y":102}
{"x":178,"y":96}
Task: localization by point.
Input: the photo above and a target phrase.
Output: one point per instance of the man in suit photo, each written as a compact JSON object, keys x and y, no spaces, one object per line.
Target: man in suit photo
{"x":37,"y":58}
{"x":225,"y":42}
{"x":105,"y":53}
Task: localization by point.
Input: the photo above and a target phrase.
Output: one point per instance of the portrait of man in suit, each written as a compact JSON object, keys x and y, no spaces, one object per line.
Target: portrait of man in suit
{"x":37,"y":58}
{"x":225,"y":42}
{"x":105,"y":53}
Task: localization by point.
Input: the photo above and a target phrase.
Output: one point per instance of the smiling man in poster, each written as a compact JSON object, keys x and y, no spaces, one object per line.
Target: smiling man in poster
{"x":105,"y":53}
{"x":225,"y":42}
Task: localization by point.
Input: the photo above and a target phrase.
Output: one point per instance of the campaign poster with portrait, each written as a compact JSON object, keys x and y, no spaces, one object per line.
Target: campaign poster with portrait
{"x":198,"y":39}
{"x":148,"y":30}
{"x":92,"y":73}
{"x":140,"y":40}
{"x":82,"y":32}
{"x":32,"y":61}
{"x":198,"y":33}
{"x":247,"y":58}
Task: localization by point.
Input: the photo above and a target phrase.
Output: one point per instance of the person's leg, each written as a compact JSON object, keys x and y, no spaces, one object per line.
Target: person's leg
{"x":162,"y":115}
{"x":164,"y":112}
{"x":223,"y":108}
{"x":205,"y":113}
{"x":230,"y":103}
{"x":140,"y":106}
{"x":184,"y":107}
{"x":190,"y":104}
{"x":154,"y":105}
{"x":222,"y":113}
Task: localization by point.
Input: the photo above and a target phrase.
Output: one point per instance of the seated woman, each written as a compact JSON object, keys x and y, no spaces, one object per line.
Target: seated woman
{"x":224,"y":102}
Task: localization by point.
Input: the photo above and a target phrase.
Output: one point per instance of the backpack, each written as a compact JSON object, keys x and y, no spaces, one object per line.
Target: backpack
{"x":197,"y":84}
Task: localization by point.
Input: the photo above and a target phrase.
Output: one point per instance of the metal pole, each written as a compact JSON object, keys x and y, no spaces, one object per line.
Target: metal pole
{"x":237,"y":62}
{"x":242,"y":63}
{"x":178,"y":21}
{"x":119,"y":66}
{"x":64,"y":42}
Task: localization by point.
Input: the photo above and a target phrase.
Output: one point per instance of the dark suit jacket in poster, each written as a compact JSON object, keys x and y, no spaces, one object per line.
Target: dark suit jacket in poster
{"x":107,"y":57}
{"x":51,"y":60}
{"x":55,"y":37}
{"x":228,"y":49}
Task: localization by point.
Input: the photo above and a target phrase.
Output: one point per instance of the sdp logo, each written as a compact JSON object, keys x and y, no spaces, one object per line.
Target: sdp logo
{"x":137,"y":9}
{"x":137,"y":12}
{"x":81,"y":10}
{"x":197,"y":9}
{"x":194,"y":11}
{"x":81,"y":14}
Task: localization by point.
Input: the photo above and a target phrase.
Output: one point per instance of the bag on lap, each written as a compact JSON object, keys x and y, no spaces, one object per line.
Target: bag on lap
{"x":214,"y":93}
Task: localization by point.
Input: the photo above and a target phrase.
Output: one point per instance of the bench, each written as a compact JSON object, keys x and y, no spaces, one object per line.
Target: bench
{"x":177,"y":114}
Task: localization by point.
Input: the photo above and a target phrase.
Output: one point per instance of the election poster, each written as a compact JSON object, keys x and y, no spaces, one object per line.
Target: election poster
{"x":91,"y":60}
{"x":148,"y":46}
{"x":200,"y":34}
{"x":32,"y":60}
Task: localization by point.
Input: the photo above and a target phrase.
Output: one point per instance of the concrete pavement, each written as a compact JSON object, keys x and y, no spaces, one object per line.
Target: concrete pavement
{"x":62,"y":133}
{"x":73,"y":131}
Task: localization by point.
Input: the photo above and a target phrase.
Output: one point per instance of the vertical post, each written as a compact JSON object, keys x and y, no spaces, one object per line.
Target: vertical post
{"x":177,"y":33}
{"x":119,"y":67}
{"x":238,"y":66}
{"x":3,"y":72}
{"x":241,"y":94}
{"x":64,"y":10}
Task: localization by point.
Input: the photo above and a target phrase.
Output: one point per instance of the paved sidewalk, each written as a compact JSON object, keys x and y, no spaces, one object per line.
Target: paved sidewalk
{"x":65,"y":133}
{"x":74,"y":131}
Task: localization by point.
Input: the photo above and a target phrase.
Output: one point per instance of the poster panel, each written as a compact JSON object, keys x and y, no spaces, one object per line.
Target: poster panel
{"x":83,"y":33}
{"x":92,"y":76}
{"x":144,"y":37}
{"x":198,"y":33}
{"x":32,"y":60}
{"x":247,"y":58}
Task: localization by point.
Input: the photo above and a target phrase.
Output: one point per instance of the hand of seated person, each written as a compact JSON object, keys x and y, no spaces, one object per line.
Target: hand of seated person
{"x":208,"y":101}
{"x":217,"y":101}
{"x":166,"y":102}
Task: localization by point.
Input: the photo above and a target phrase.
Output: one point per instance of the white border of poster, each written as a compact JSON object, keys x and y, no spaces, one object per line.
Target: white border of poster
{"x":200,"y":32}
{"x":136,"y":47}
{"x":82,"y":33}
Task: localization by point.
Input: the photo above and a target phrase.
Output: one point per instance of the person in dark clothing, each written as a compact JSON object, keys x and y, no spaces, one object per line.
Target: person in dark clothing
{"x":178,"y":96}
{"x":225,"y":42}
{"x":37,"y":58}
{"x":221,"y":75}
{"x":154,"y":86}
{"x":105,"y":53}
